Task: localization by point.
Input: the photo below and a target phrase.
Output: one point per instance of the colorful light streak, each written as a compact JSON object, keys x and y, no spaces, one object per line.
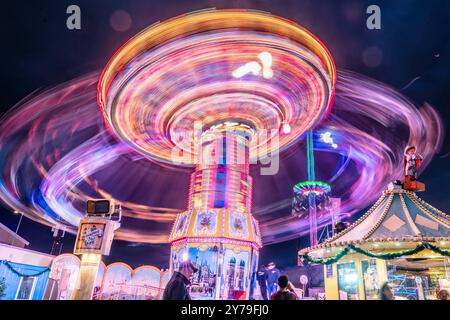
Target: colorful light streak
{"x":210,"y":67}
{"x":60,"y":125}
{"x":55,"y":152}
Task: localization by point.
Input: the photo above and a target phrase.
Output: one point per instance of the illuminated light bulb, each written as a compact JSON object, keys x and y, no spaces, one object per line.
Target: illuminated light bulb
{"x":250,"y":67}
{"x":286,"y":128}
{"x":240,"y":72}
{"x":231,"y":124}
{"x":184,"y":257}
{"x":216,"y":126}
{"x":326,"y":137}
{"x":266,"y":59}
{"x":254,"y":68}
{"x":267,"y":73}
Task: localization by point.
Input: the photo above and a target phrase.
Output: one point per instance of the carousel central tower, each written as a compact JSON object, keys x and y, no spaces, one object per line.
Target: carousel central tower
{"x":217,"y":90}
{"x":221,"y":178}
{"x":218,"y":232}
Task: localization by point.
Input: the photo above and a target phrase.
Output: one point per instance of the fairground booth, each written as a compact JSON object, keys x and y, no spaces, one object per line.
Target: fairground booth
{"x":31,"y":275}
{"x":117,"y":281}
{"x":402,"y":240}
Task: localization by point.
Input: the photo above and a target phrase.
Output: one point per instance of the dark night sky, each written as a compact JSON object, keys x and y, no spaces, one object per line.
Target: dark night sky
{"x":38,"y":51}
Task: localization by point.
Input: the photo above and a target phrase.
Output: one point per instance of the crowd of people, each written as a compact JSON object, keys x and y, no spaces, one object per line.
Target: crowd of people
{"x":387,"y":293}
{"x":272,"y":284}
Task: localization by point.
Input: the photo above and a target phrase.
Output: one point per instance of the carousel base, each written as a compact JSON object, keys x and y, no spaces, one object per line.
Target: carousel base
{"x":224,"y":269}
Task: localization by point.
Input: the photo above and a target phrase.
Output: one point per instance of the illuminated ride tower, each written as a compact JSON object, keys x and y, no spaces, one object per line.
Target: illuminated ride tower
{"x":217,"y":90}
{"x":218,"y":228}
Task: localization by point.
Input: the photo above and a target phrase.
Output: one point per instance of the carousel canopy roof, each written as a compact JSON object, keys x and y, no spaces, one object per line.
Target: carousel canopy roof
{"x":398,"y":215}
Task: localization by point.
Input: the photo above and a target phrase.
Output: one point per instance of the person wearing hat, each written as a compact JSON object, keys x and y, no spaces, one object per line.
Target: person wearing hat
{"x":177,"y":287}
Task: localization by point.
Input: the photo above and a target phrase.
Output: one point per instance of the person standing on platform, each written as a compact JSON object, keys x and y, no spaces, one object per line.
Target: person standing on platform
{"x":177,"y":287}
{"x":272,"y":277}
{"x":261,"y":277}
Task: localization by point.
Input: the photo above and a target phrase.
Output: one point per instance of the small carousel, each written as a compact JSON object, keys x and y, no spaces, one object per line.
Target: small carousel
{"x":402,"y":240}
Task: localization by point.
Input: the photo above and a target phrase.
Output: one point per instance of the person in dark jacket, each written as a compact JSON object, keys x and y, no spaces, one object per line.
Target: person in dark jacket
{"x":177,"y":287}
{"x":272,"y":277}
{"x":286,"y":291}
{"x":261,"y":277}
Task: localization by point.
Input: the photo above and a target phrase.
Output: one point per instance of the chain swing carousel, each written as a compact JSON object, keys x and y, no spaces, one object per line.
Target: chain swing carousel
{"x":401,"y":239}
{"x":213,"y":91}
{"x":217,"y":90}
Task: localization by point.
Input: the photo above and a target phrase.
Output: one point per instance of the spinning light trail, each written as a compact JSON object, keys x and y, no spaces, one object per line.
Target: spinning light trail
{"x":56,"y":152}
{"x":189,"y":92}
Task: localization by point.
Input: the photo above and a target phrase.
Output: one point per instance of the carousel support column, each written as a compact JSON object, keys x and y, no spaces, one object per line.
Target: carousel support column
{"x":251,"y":271}
{"x":219,"y":272}
{"x":311,"y":195}
{"x":331,"y":282}
{"x":361,"y":291}
{"x":160,"y":290}
{"x":381,"y":266}
{"x":312,"y":219}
